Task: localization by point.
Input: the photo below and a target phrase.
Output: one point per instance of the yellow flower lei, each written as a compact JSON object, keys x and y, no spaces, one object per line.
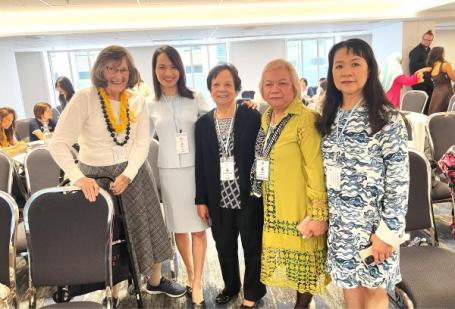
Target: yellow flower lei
{"x":120,"y":126}
{"x":4,"y":139}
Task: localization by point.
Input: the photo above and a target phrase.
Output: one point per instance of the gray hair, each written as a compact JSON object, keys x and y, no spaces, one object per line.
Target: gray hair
{"x":117,"y":53}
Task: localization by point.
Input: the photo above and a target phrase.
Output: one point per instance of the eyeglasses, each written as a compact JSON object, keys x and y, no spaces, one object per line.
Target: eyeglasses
{"x":112,"y":70}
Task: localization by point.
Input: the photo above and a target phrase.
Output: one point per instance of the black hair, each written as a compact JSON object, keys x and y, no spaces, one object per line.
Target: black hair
{"x":375,"y":100}
{"x":64,"y":83}
{"x":436,"y":54}
{"x":221,"y":67}
{"x":176,"y":60}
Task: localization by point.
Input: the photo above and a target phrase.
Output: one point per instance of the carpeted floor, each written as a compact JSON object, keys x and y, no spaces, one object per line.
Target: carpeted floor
{"x":213,"y":283}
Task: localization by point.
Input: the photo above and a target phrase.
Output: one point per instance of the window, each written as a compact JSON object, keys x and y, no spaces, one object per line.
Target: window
{"x":198,"y":60}
{"x":310,"y":57}
{"x":76,"y":65}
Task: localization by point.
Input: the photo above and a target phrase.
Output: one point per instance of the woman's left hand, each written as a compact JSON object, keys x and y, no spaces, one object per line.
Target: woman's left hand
{"x":119,"y":185}
{"x":315,"y":228}
{"x":380,"y":250}
{"x":250,"y":104}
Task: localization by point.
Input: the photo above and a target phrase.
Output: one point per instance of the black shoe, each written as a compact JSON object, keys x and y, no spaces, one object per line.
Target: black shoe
{"x":114,"y":302}
{"x":166,"y":286}
{"x":201,"y":305}
{"x":189,"y":291}
{"x":223,"y":298}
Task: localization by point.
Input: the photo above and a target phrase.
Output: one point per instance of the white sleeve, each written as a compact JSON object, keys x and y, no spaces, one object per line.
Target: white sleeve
{"x":203,"y":106}
{"x":66,"y":133}
{"x":141,"y":142}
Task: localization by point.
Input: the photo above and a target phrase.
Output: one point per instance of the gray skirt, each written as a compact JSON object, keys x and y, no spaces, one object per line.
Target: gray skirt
{"x":148,"y":234}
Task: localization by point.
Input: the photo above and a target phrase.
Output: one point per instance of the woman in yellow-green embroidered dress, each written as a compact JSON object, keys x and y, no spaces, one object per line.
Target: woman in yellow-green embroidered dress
{"x":288,"y":172}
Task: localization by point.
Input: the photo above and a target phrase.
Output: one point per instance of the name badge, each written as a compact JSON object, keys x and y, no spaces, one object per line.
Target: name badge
{"x":227,"y":169}
{"x":333,"y":177}
{"x":262,"y":169}
{"x":181,"y":142}
{"x":120,"y":154}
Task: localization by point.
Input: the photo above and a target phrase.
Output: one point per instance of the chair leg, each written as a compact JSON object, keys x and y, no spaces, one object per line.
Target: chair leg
{"x":402,"y":299}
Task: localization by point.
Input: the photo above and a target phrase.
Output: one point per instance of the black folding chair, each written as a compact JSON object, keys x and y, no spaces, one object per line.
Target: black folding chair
{"x":427,"y":271}
{"x":9,"y":216}
{"x":6,"y":173}
{"x":41,"y":171}
{"x":69,"y":241}
{"x":414,"y":101}
{"x":123,"y":269}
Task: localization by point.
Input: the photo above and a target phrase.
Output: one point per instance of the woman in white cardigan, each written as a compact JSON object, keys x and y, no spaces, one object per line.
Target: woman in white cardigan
{"x":174,"y":112}
{"x":111,"y":125}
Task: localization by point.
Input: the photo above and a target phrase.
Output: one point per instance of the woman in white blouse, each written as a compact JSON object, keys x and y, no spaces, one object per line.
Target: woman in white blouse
{"x":111,"y":125}
{"x":174,"y":112}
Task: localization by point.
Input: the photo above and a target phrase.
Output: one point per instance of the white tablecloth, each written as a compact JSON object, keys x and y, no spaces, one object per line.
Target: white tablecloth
{"x":419,"y":122}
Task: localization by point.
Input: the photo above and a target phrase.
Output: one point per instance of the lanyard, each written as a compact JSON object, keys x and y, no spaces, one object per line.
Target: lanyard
{"x":273,"y":135}
{"x":231,"y":124}
{"x":338,"y":135}
{"x":176,"y":112}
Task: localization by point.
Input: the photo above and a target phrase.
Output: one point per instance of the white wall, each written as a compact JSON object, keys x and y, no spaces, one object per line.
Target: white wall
{"x":446,"y":39}
{"x":10,"y":92}
{"x":386,"y":40}
{"x":143,"y":60}
{"x":250,"y":57}
{"x":32,"y":79}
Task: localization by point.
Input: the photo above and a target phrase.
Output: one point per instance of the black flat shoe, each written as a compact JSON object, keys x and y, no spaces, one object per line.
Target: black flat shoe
{"x":189,"y":290}
{"x":222,"y":298}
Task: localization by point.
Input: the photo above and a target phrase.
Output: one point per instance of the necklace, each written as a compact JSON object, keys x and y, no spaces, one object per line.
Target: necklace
{"x":112,"y":126}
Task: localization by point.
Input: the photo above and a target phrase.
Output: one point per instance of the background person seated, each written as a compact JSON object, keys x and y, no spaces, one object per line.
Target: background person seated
{"x":42,"y":126}
{"x":8,"y":142}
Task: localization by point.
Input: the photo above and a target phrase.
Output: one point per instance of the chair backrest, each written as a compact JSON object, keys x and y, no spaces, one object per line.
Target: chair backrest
{"x":41,"y":171}
{"x":9,"y":216}
{"x":409,"y":127}
{"x":420,"y":211}
{"x":248,"y":94}
{"x":23,"y":128}
{"x":451,"y":107}
{"x":6,"y":173}
{"x":153,"y":161}
{"x":441,"y":129}
{"x":414,"y":101}
{"x":68,"y":238}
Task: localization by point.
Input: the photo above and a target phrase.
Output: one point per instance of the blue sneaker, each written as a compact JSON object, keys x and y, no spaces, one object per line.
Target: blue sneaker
{"x":166,"y":286}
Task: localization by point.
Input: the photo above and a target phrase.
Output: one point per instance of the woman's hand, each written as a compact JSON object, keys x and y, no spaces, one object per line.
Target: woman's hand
{"x":119,"y":185}
{"x":203,"y":212}
{"x":250,"y":104}
{"x":380,"y":250}
{"x":89,"y":187}
{"x":312,"y":228}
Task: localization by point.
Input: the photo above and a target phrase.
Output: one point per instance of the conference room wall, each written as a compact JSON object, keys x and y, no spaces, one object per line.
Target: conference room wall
{"x":33,"y":80}
{"x":446,"y":39}
{"x":10,"y":91}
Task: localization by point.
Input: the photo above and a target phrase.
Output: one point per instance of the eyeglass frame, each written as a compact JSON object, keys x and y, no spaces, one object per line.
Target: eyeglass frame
{"x":112,"y":70}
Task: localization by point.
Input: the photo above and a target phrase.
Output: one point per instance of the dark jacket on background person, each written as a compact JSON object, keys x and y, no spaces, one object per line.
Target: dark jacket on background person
{"x":417,"y":60}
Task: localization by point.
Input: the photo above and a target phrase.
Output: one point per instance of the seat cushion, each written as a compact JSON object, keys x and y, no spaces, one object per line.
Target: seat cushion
{"x":428,"y":276}
{"x":440,"y":192}
{"x":76,"y":304}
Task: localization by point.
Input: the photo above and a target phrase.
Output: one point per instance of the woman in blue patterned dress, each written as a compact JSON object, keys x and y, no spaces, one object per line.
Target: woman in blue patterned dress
{"x":366,"y":166}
